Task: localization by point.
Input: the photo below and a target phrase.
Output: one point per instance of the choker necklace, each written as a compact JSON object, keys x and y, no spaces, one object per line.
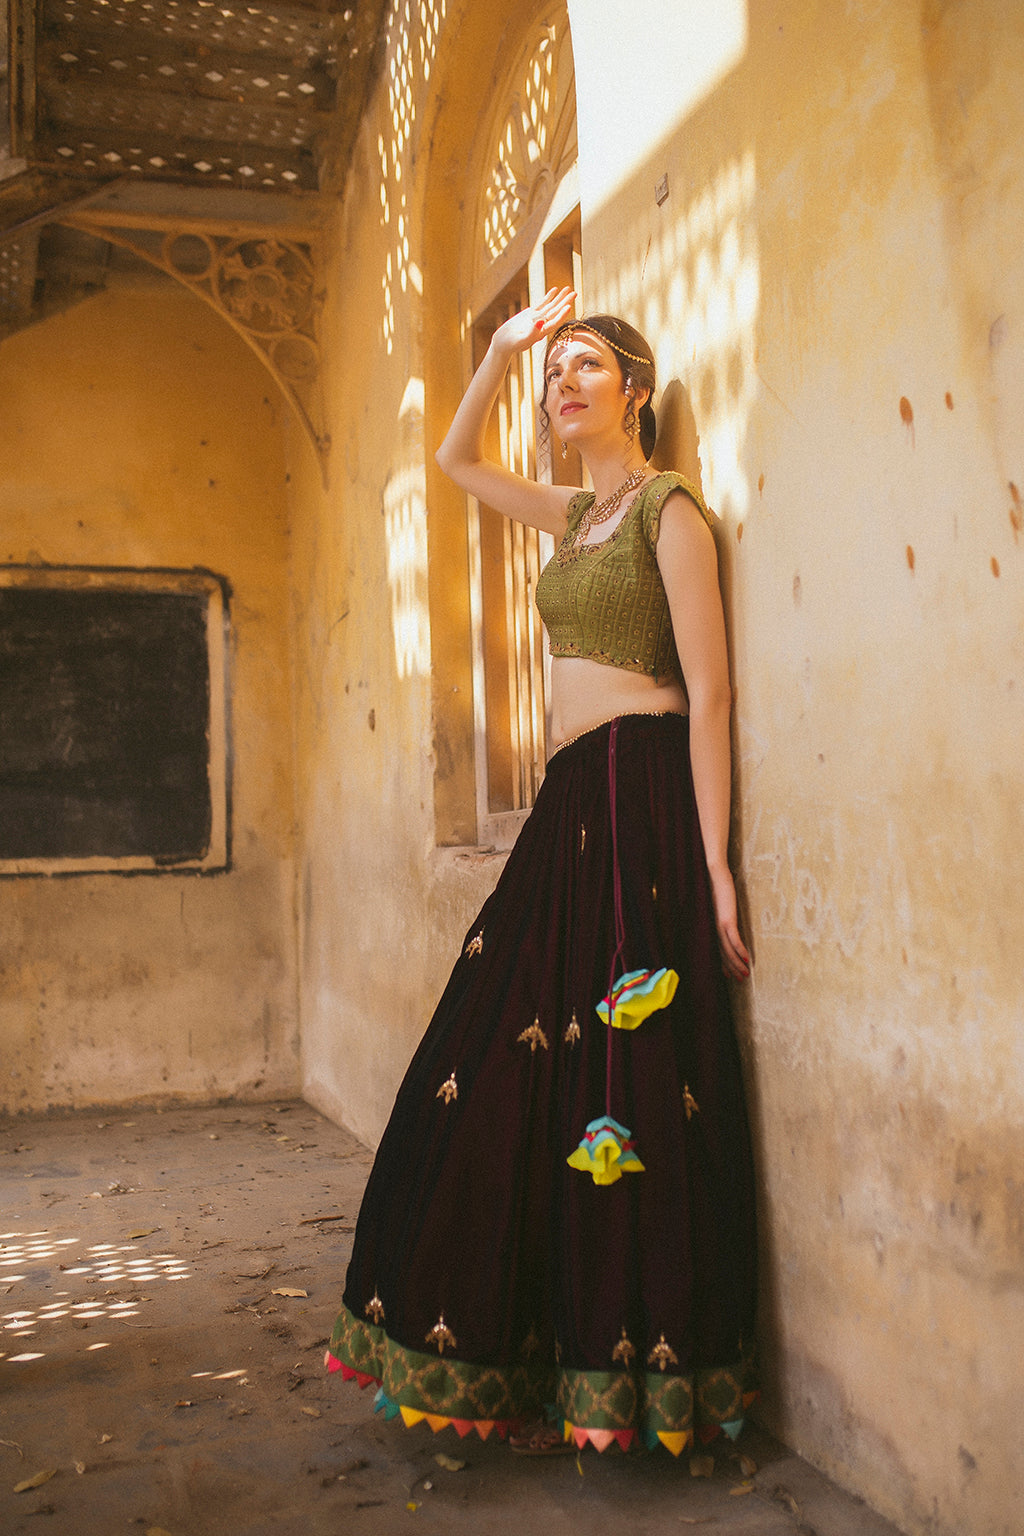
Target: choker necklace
{"x":600,"y":512}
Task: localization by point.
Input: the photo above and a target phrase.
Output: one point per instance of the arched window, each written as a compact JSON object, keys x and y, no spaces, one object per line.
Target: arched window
{"x":525,"y":239}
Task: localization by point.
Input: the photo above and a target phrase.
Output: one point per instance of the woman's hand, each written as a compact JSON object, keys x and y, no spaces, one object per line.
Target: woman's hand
{"x":735,"y":955}
{"x":532,"y":325}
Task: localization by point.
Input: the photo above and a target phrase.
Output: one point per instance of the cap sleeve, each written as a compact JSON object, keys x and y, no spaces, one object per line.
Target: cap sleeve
{"x":657,"y":494}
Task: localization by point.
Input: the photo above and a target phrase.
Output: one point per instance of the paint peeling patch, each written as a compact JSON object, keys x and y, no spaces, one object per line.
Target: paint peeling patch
{"x":907,"y":418}
{"x":949,"y":401}
{"x":739,"y":533}
{"x":797,"y":590}
{"x":1016,"y":512}
{"x":760,"y":485}
{"x":995,"y":566}
{"x":910,"y":557}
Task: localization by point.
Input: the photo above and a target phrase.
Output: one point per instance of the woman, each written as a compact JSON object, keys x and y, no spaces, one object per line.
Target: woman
{"x":559,"y":1223}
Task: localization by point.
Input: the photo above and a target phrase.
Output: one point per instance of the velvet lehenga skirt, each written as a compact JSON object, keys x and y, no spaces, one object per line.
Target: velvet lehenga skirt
{"x":490,"y":1280}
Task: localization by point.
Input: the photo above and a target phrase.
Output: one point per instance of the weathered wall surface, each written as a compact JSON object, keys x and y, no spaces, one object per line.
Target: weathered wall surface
{"x":837,"y":281}
{"x":137,"y":430}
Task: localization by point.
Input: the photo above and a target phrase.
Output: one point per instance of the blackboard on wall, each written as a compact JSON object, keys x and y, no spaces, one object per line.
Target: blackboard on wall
{"x":107,"y":716}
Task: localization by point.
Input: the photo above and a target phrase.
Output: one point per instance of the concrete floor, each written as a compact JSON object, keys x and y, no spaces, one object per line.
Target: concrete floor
{"x":150,"y":1363}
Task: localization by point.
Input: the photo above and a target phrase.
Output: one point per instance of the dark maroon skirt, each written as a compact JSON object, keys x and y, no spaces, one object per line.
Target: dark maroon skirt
{"x":489,"y":1280}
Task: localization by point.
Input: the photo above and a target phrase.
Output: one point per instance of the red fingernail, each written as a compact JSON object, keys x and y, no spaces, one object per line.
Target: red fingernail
{"x":539,"y":326}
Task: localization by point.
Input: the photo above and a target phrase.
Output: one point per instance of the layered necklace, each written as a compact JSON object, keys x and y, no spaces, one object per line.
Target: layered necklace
{"x":600,"y":512}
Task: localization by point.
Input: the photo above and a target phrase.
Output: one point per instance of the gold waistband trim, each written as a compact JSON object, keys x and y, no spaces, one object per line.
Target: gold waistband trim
{"x":631,"y":714}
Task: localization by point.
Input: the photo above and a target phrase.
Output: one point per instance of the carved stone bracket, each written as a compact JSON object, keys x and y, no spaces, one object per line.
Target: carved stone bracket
{"x":266,"y":288}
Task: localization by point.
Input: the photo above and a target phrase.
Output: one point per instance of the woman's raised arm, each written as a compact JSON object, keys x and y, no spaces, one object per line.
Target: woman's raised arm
{"x":462,"y":455}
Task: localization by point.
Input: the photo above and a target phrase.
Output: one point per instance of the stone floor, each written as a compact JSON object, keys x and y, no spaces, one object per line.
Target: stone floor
{"x":167,"y":1284}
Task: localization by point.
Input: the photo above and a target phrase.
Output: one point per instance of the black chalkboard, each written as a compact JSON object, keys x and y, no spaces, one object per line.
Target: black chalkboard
{"x":104,"y":724}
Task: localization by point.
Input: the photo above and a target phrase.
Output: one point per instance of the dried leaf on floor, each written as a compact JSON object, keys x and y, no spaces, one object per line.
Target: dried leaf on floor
{"x":740,"y":1490}
{"x":450,"y":1463}
{"x":748,"y":1466}
{"x":79,"y":1467}
{"x":288,"y":1290}
{"x":783,"y":1496}
{"x":105,"y":1439}
{"x":142,"y":1232}
{"x":36,"y":1481}
{"x":313,"y":1413}
{"x":702,"y":1466}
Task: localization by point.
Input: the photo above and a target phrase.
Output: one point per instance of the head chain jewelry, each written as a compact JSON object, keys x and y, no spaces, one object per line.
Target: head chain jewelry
{"x":567,"y":332}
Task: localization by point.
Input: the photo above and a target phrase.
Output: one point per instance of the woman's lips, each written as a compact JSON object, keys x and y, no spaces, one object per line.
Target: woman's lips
{"x":570,"y":406}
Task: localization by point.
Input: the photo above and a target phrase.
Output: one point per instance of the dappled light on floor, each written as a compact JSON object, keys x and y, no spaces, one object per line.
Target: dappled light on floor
{"x":102,"y":1264}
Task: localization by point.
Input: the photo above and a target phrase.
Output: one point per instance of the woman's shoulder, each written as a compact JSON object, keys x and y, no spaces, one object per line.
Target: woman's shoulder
{"x":657,"y":491}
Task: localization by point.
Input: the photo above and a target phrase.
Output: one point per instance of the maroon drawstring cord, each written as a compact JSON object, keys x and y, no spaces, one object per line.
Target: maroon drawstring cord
{"x":620,"y":923}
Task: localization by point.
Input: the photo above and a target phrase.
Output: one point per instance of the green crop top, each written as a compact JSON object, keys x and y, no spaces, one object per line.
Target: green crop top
{"x":608,"y":603}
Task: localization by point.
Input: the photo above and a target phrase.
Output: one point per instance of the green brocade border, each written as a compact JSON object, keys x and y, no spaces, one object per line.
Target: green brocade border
{"x":654,"y":1402}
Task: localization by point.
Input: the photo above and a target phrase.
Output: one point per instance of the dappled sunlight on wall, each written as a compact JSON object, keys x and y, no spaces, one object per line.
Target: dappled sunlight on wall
{"x":413,"y":27}
{"x":694,"y":291}
{"x":405,"y":532}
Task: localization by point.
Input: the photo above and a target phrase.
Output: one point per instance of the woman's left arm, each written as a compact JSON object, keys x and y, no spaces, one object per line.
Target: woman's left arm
{"x":689,"y":569}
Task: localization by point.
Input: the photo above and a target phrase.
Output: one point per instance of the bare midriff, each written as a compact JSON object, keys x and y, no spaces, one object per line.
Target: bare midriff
{"x":586,"y":693}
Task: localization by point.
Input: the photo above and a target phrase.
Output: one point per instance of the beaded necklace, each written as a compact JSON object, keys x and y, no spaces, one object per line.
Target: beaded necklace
{"x":600,"y":512}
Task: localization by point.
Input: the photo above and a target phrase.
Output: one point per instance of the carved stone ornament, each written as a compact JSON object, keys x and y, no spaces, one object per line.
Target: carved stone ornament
{"x":267,"y":291}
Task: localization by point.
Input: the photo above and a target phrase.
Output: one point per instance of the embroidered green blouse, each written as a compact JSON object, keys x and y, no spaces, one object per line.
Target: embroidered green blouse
{"x":608,"y":603}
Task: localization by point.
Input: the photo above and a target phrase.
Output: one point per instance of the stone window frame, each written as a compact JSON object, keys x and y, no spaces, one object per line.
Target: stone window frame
{"x":215,"y":591}
{"x":532,"y":162}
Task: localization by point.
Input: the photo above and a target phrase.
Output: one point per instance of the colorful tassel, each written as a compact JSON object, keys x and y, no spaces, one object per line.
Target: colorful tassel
{"x":636,"y":995}
{"x":606,"y":1152}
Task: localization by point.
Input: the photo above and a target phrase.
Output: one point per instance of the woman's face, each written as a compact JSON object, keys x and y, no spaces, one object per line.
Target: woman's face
{"x":584,"y":390}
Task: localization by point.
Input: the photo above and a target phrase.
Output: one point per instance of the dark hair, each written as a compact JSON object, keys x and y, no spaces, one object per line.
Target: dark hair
{"x":635,"y":360}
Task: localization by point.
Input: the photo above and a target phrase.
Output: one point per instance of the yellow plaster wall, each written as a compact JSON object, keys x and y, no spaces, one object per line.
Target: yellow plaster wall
{"x":383,"y":906}
{"x":837,"y":281}
{"x":138,"y":430}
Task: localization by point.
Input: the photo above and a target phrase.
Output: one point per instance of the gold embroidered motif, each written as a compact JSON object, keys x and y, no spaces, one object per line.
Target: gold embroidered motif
{"x":534,"y":1035}
{"x":530,"y":1344}
{"x":375,"y":1308}
{"x":654,"y":893}
{"x":690,"y":1103}
{"x":583,"y":838}
{"x":662,"y":1355}
{"x":441,"y":1335}
{"x":624,"y":1350}
{"x":572,"y":1030}
{"x":475,"y":945}
{"x":448,"y":1090}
